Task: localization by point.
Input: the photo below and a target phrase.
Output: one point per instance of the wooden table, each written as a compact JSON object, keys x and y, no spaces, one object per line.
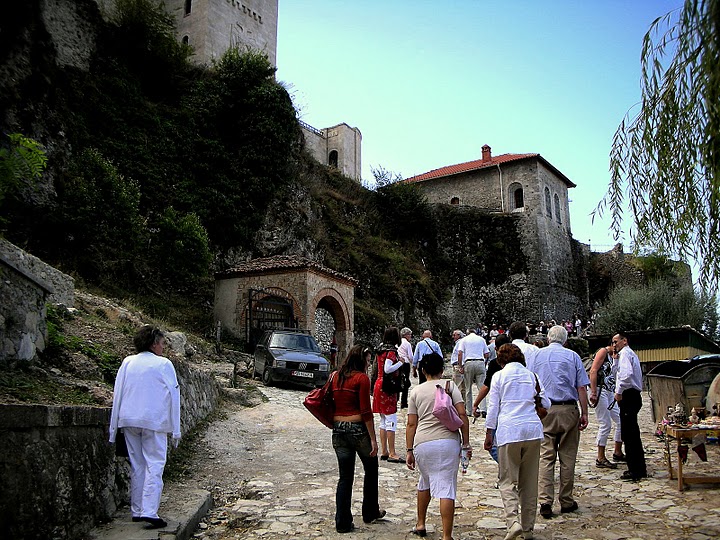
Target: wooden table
{"x":679,"y":433}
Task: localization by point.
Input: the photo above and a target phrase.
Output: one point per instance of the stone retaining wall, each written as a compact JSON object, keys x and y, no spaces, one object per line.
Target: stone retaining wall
{"x":60,"y":476}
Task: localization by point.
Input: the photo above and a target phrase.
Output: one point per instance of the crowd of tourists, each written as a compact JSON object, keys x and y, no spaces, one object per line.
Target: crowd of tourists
{"x":534,"y":400}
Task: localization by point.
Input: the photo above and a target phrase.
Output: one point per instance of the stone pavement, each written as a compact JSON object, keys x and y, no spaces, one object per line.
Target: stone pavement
{"x":272,"y":472}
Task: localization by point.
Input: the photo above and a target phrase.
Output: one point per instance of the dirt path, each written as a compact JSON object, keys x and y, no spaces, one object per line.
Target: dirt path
{"x":272,"y":472}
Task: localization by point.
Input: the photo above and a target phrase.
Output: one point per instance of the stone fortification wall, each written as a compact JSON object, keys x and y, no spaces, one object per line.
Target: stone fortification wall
{"x":26,"y":284}
{"x":60,"y":476}
{"x":342,"y":140}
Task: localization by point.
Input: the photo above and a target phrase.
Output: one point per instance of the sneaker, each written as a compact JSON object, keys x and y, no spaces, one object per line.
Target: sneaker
{"x":605,"y":464}
{"x":380,"y":515}
{"x":514,"y":531}
{"x":546,"y":511}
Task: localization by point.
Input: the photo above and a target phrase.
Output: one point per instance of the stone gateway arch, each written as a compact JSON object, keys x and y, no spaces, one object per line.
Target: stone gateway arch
{"x":286,"y":291}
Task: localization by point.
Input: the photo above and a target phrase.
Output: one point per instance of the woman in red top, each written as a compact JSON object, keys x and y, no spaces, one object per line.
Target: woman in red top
{"x":354,"y":433}
{"x":389,"y":362}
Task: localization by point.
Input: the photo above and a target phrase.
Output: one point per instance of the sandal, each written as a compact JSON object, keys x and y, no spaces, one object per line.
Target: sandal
{"x":384,"y":457}
{"x":396,"y":460}
{"x":604,"y":463}
{"x":419,"y":532}
{"x":619,"y":457}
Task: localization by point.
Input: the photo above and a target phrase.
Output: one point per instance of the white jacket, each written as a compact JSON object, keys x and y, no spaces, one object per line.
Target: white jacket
{"x":147,"y":395}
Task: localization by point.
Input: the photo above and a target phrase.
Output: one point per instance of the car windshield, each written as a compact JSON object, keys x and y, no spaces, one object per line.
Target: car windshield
{"x":294,"y":341}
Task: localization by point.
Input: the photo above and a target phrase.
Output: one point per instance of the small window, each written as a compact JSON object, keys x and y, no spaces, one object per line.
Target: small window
{"x":516,"y":196}
{"x":455,"y":201}
{"x":548,"y":203}
{"x":188,"y":7}
{"x":186,"y":40}
{"x":333,"y":158}
{"x":557,"y":209}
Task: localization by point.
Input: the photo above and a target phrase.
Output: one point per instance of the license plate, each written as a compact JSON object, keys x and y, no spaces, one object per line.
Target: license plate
{"x":302,"y":374}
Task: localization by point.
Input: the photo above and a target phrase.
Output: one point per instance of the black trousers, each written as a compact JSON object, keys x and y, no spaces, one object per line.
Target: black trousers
{"x":405,"y":374}
{"x":630,"y":405}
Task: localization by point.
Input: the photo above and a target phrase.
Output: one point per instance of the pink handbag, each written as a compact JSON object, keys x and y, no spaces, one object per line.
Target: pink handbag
{"x":444,"y":410}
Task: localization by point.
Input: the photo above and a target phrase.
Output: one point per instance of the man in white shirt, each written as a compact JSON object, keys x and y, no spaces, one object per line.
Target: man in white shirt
{"x":518,"y":333}
{"x":405,"y":352}
{"x":458,"y":377}
{"x":628,"y":384}
{"x":472,"y":353}
{"x":564,"y":379}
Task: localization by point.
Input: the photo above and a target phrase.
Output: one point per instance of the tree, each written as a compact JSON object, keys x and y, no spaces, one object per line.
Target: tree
{"x":21,"y":159}
{"x":666,"y":160}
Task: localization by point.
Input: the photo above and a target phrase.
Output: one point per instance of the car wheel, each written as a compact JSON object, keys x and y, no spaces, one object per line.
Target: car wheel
{"x":266,"y":378}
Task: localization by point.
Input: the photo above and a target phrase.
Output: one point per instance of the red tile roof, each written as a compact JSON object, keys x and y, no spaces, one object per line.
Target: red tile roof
{"x":477,"y":164}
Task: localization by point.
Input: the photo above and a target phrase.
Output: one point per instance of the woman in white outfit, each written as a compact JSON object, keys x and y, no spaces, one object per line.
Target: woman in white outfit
{"x":146,"y":406}
{"x":512,"y":419}
{"x":602,"y":397}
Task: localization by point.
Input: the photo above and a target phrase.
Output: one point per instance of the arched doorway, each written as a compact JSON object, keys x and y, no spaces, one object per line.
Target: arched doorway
{"x":267,"y":309}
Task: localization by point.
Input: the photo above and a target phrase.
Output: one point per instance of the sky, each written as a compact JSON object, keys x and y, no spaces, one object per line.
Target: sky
{"x":429,"y":83}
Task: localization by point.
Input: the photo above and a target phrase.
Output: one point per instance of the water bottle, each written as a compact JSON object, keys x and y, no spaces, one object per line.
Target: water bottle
{"x":464,"y":460}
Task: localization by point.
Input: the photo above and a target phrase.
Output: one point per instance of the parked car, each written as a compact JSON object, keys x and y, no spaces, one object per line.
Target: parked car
{"x":290,"y":355}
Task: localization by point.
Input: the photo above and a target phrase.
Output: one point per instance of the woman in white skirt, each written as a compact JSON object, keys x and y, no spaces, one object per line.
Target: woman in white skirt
{"x":433,"y":448}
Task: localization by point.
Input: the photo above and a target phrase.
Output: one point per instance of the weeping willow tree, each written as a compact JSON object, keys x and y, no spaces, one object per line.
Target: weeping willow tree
{"x":665,"y":160}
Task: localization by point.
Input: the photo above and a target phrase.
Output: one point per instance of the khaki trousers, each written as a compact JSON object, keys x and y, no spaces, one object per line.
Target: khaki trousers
{"x":562,"y":438}
{"x":459,"y":380}
{"x":518,"y":468}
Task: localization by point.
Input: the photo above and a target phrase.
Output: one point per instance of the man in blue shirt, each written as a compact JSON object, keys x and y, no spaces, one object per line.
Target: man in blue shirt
{"x":564,"y":379}
{"x":425,"y":346}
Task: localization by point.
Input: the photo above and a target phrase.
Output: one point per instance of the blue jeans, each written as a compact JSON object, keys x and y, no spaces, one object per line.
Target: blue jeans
{"x":349,"y":439}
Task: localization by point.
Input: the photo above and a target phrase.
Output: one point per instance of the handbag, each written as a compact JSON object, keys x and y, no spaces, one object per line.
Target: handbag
{"x":121,"y":449}
{"x":444,"y":410}
{"x":391,"y":383}
{"x":320,"y":403}
{"x":539,"y":409}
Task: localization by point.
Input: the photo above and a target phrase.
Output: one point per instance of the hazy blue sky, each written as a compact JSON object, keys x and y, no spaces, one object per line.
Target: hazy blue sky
{"x":429,"y":83}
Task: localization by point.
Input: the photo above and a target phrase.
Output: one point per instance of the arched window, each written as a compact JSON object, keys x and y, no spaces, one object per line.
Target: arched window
{"x":557,"y":209}
{"x":188,"y":7}
{"x":186,"y":40}
{"x":455,"y":201}
{"x":548,"y":203}
{"x":517,"y":199}
{"x":333,"y":158}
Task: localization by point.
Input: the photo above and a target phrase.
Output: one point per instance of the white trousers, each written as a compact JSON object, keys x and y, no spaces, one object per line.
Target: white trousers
{"x":148,"y":452}
{"x":606,"y":417}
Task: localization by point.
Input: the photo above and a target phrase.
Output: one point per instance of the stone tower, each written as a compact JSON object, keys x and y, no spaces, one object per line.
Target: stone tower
{"x":212,"y":26}
{"x":337,"y":146}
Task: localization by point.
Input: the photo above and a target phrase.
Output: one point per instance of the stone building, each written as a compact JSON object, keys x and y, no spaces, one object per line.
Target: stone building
{"x":337,"y":146}
{"x":531,"y":188}
{"x":211,"y":27}
{"x":286,"y":291}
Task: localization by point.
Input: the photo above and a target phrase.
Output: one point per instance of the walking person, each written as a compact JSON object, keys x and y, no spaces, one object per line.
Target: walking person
{"x":628,"y":385}
{"x":385,"y":404}
{"x":513,"y":422}
{"x":425,"y":346}
{"x":405,"y":351}
{"x":354,"y":435}
{"x":602,"y":398}
{"x":458,"y":377}
{"x":562,"y":375}
{"x":433,"y":448}
{"x":472,"y":353}
{"x":146,"y":407}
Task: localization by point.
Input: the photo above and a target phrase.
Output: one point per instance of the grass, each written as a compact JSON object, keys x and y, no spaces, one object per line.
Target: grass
{"x":22,"y":386}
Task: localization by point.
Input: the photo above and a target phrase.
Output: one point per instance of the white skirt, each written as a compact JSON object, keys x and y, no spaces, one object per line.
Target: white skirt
{"x":438,"y":463}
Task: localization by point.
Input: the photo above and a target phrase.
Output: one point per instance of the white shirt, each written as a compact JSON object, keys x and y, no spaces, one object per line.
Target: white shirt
{"x":147,"y":395}
{"x":511,"y":405}
{"x":528,"y":349}
{"x":405,"y":350}
{"x":560,"y":370}
{"x":629,"y":374}
{"x":454,"y":356}
{"x":473,"y":347}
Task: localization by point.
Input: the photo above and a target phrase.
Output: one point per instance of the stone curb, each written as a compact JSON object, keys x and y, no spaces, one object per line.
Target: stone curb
{"x":182,"y":508}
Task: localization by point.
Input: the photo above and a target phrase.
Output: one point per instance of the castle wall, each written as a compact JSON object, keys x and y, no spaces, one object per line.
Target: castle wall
{"x":213,"y":26}
{"x":343,"y":139}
